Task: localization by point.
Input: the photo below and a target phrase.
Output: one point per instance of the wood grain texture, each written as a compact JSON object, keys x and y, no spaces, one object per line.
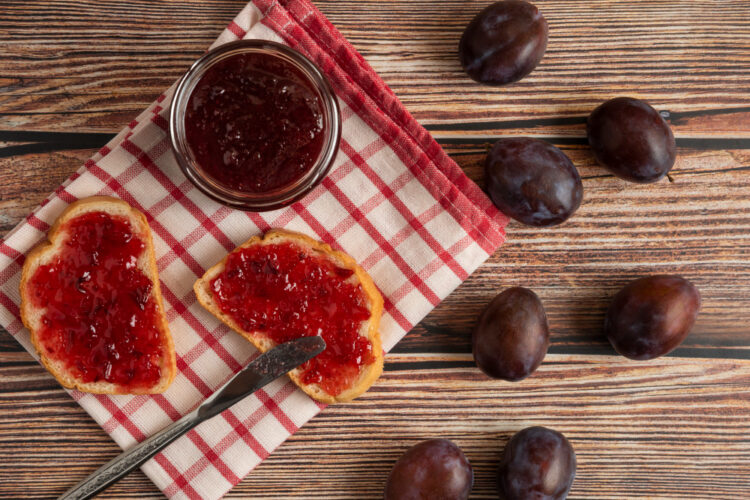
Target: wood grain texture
{"x":684,"y":56}
{"x":676,"y":428}
{"x":684,"y":433}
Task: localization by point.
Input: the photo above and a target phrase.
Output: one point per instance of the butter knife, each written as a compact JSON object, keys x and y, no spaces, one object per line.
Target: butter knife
{"x":263,"y":370}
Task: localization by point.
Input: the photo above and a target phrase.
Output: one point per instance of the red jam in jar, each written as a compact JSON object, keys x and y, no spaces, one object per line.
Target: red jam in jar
{"x":255,"y":122}
{"x":285,"y":293}
{"x":99,"y":314}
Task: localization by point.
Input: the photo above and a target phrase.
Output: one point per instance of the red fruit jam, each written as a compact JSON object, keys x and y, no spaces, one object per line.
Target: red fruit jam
{"x":287,"y":293}
{"x":100,"y":314}
{"x":255,"y":123}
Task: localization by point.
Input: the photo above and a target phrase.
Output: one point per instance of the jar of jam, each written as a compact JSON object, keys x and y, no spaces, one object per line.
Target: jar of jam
{"x":254,"y":125}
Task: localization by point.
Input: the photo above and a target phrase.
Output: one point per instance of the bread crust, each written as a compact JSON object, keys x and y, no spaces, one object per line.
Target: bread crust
{"x":370,"y":373}
{"x":36,"y":258}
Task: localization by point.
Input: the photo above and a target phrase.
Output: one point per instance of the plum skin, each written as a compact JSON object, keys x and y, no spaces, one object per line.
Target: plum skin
{"x":504,"y":42}
{"x":433,"y":469}
{"x":538,"y":463}
{"x":532,"y":181}
{"x":511,"y":337}
{"x":631,"y":139}
{"x":650,"y":316}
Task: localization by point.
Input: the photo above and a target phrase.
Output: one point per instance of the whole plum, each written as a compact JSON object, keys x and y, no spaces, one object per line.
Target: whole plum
{"x":651,"y":316}
{"x":511,"y":337}
{"x":504,"y":42}
{"x":532,"y":181}
{"x":631,"y":140}
{"x":434,"y":469}
{"x":538,"y":463}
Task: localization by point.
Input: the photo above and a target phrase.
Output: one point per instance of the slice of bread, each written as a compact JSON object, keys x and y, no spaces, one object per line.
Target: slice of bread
{"x":369,"y":328}
{"x":32,"y":316}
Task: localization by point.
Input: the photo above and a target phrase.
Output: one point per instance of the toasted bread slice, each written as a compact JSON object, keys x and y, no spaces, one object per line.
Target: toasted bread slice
{"x":369,"y":328}
{"x":33,"y":315}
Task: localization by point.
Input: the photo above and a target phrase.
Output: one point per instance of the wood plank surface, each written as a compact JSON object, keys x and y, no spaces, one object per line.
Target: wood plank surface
{"x":73,"y":73}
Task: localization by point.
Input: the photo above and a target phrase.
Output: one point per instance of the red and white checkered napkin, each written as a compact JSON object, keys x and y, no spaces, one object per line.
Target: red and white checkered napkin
{"x":393,"y":200}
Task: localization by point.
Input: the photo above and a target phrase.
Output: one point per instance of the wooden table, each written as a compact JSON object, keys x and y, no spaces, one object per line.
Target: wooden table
{"x":74,"y":73}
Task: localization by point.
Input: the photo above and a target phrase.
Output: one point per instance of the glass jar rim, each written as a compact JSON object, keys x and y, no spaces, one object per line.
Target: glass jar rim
{"x":279,"y":197}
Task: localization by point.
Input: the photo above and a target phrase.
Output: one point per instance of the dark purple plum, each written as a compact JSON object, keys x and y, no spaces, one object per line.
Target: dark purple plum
{"x":539,"y":464}
{"x":503,"y":43}
{"x":632,"y":140}
{"x":433,"y":469}
{"x":532,"y":181}
{"x":511,"y":337}
{"x":651,"y":316}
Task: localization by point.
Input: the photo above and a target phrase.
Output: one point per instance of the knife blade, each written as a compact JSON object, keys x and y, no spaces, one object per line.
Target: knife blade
{"x":264,"y":369}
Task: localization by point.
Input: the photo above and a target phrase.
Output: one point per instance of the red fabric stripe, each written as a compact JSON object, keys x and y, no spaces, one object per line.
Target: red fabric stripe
{"x":301,"y":209}
{"x":64,"y":195}
{"x":207,"y":337}
{"x":236,"y":30}
{"x":14,"y":327}
{"x":273,"y":407}
{"x":11,"y":306}
{"x":11,"y":252}
{"x":11,"y":270}
{"x":37,"y":223}
{"x":259,"y":221}
{"x":129,"y":408}
{"x":209,"y":224}
{"x":397,"y":315}
{"x":120,"y":416}
{"x":167,"y":407}
{"x":187,"y":372}
{"x":404,"y":211}
{"x":14,"y":267}
{"x":160,"y":121}
{"x":180,"y":483}
{"x":243,"y":432}
{"x":288,"y":215}
{"x":207,"y":341}
{"x":402,"y":265}
{"x":214,"y":459}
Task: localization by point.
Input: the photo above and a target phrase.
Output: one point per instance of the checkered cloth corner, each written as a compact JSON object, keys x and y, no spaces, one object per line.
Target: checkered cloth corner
{"x":393,"y":200}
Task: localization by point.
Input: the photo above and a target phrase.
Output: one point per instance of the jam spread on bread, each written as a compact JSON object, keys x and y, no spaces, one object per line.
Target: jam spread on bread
{"x":99,"y":314}
{"x":255,"y":123}
{"x":282,"y":291}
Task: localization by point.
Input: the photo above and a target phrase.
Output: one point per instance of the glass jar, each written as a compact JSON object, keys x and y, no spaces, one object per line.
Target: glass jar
{"x":276,"y":197}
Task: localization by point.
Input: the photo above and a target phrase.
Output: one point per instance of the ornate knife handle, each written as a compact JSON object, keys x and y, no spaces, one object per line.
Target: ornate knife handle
{"x":134,"y":457}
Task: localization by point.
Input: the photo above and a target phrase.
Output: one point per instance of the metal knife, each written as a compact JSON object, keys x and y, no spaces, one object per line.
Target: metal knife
{"x":264,"y":369}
